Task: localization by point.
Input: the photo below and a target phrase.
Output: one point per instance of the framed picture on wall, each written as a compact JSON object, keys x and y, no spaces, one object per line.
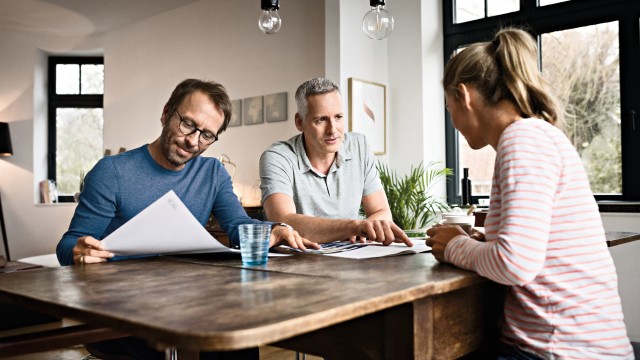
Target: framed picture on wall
{"x":275,"y":107}
{"x":252,"y":110}
{"x":368,"y":112}
{"x":236,"y":113}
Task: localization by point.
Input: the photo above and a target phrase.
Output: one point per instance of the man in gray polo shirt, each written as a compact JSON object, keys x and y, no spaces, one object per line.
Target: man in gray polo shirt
{"x":317,"y":180}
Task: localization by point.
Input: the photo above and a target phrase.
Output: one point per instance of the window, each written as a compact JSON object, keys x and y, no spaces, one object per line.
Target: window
{"x":75,"y":143}
{"x":589,"y":50}
{"x":468,"y":10}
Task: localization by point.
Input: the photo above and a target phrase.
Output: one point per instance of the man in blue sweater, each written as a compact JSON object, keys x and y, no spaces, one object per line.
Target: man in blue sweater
{"x":121,"y":186}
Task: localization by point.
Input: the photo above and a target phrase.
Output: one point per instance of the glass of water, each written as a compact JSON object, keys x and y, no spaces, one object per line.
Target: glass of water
{"x":254,"y":243}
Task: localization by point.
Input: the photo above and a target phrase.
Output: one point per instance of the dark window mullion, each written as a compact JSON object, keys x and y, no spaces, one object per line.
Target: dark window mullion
{"x":80,"y":79}
{"x":80,"y":101}
{"x":630,"y":99}
{"x":51,"y":120}
{"x":51,"y":143}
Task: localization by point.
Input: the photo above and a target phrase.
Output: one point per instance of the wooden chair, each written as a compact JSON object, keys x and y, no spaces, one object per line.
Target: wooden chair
{"x":50,"y":336}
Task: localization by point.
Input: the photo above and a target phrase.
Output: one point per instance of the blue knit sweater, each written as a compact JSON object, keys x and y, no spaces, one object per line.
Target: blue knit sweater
{"x":121,"y":186}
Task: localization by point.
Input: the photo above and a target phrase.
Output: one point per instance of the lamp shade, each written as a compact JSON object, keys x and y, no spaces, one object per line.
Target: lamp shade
{"x":5,"y":140}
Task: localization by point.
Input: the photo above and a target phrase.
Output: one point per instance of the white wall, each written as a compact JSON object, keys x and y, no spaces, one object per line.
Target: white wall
{"x":625,"y":257}
{"x":360,"y":57}
{"x":409,"y":62}
{"x":216,"y":40}
{"x":416,"y":127}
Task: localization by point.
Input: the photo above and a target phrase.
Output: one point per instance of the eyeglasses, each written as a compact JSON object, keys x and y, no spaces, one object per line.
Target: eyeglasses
{"x":188,"y":127}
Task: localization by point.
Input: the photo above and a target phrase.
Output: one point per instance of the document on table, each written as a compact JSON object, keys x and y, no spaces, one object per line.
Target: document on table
{"x":164,"y":227}
{"x":345,"y":249}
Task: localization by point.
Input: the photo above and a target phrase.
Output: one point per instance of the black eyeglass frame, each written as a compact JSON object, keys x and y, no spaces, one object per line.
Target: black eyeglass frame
{"x":190,"y":124}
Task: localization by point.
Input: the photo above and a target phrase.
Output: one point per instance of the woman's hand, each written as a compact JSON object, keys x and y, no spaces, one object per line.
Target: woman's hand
{"x":439,"y":236}
{"x":477,"y":235}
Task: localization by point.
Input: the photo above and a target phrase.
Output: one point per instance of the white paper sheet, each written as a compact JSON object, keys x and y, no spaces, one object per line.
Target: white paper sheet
{"x":164,"y":227}
{"x":374,"y":250}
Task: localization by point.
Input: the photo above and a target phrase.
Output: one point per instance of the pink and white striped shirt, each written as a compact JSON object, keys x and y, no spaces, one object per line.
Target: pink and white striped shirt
{"x":545,"y":239}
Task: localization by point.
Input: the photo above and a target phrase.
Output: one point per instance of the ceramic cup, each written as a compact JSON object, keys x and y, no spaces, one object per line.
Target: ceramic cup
{"x":458,"y":218}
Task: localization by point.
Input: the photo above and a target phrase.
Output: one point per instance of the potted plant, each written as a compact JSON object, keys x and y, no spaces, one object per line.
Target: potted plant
{"x":412,"y":205}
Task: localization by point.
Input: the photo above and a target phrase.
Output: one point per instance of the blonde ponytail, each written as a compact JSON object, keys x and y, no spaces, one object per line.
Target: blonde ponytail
{"x":506,"y":69}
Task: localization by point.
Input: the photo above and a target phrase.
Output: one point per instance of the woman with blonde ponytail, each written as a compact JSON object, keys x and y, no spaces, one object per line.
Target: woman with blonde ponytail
{"x":543,"y":237}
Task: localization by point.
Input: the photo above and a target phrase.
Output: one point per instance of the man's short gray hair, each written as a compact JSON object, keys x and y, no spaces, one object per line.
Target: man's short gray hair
{"x":313,"y":87}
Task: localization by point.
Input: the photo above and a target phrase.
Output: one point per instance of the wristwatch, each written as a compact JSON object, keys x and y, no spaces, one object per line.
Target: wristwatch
{"x":285,"y":225}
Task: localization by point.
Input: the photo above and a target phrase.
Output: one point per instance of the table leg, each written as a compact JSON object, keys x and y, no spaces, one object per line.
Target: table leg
{"x":408,"y":331}
{"x":444,"y":326}
{"x":171,"y":354}
{"x":174,"y":353}
{"x":397,"y":333}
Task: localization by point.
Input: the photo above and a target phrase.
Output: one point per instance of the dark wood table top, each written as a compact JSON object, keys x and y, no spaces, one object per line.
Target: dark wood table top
{"x":211,"y":302}
{"x":11,"y":266}
{"x":620,"y":237}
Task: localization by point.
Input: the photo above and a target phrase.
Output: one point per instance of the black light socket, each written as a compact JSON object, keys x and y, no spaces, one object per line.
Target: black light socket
{"x":269,"y":4}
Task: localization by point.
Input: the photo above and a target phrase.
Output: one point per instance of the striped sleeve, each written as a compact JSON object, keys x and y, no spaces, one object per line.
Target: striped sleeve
{"x":526,"y":177}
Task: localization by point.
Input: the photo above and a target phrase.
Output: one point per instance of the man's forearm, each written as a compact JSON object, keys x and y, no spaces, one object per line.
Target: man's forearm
{"x":321,"y":230}
{"x":383,"y":214}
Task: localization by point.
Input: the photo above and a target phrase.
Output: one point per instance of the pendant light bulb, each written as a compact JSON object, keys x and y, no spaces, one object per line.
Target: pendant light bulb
{"x":378,"y":22}
{"x":269,"y":21}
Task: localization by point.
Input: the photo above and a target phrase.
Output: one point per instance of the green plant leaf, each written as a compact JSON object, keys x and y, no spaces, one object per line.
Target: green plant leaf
{"x":411,"y":203}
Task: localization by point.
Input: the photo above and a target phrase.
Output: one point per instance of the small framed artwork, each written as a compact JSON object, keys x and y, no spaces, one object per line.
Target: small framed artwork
{"x":275,"y":107}
{"x":252,"y":110}
{"x":236,"y":113}
{"x":368,"y":112}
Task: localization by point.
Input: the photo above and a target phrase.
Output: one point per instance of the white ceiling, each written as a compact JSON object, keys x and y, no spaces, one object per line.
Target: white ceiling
{"x":79,"y":17}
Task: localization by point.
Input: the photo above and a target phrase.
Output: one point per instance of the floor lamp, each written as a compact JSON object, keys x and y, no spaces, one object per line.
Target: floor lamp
{"x":4,"y":233}
{"x":5,"y":150}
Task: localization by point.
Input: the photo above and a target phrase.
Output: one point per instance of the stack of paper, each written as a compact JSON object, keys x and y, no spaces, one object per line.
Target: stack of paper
{"x":164,"y":227}
{"x":345,"y":249}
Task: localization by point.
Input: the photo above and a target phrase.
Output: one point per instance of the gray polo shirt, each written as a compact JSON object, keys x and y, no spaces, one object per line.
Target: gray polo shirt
{"x":285,"y":169}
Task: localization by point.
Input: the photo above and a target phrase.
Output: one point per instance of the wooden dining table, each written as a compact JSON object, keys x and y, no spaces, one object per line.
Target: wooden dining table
{"x":615,"y":238}
{"x":401,"y":307}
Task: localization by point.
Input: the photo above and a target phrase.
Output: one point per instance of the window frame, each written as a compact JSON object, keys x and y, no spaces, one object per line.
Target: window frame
{"x":56,"y":101}
{"x":557,"y":17}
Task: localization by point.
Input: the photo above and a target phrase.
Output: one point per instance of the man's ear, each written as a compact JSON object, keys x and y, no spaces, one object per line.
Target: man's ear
{"x":299,"y":120}
{"x":163,"y":118}
{"x":464,"y":96}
